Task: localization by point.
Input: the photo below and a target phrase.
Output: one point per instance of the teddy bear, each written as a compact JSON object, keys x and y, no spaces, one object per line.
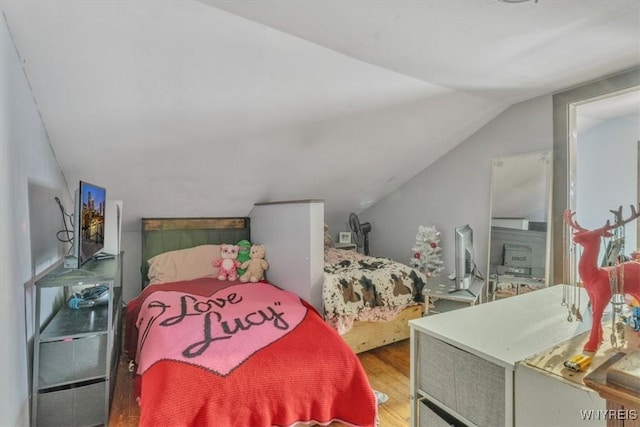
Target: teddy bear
{"x":328,"y":240}
{"x":255,"y":266}
{"x":227,"y":263}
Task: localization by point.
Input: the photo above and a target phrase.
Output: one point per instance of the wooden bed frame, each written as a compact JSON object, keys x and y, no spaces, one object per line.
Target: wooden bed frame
{"x":365,"y":336}
{"x":166,"y":234}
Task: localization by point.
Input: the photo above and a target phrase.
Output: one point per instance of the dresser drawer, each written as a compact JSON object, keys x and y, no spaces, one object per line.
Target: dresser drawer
{"x":432,"y":416}
{"x":471,"y":386}
{"x":78,"y":406}
{"x":62,"y":362}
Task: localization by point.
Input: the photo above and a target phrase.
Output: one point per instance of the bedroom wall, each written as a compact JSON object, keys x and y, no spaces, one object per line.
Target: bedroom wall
{"x":607,"y":174}
{"x":30,"y":178}
{"x":131,"y":244}
{"x":455,"y":190}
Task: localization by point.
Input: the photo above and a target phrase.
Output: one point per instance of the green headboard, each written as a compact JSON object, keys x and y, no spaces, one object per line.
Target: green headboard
{"x":169,"y":234}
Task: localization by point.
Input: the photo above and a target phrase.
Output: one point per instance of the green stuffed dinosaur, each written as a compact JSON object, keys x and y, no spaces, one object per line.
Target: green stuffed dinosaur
{"x":243,"y":254}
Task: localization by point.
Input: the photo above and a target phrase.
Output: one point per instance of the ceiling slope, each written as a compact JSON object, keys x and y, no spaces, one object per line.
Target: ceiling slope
{"x":509,"y":52}
{"x":186,"y":108}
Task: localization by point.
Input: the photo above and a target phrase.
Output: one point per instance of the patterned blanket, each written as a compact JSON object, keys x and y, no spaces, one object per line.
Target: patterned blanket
{"x":355,"y":284}
{"x":231,"y":354}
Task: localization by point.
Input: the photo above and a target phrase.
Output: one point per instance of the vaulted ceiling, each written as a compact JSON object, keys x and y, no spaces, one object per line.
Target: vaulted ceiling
{"x":206,"y":107}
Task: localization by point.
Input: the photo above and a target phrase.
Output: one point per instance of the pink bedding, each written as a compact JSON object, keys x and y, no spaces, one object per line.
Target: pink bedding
{"x":230,"y":354}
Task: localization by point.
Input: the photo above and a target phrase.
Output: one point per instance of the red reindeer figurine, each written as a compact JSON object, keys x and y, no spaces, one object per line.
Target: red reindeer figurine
{"x":596,"y":280}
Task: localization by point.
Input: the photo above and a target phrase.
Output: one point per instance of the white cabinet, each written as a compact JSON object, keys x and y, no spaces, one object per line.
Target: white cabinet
{"x":76,"y":352}
{"x":465,"y":363}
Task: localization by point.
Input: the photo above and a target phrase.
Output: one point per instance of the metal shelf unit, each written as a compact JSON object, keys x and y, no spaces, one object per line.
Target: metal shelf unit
{"x":76,"y":352}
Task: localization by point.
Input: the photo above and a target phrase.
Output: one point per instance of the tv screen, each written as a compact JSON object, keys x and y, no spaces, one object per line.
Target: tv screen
{"x":89,"y":221}
{"x":465,"y":265}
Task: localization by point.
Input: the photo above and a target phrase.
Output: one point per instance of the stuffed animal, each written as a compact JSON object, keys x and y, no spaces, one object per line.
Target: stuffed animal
{"x":328,"y":240}
{"x":227,"y":263}
{"x":243,"y":254}
{"x":255,"y":266}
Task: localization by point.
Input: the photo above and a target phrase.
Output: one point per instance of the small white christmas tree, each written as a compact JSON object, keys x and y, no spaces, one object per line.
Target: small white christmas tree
{"x":426,"y":252}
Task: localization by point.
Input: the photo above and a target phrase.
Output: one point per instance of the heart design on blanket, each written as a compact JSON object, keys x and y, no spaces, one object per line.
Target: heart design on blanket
{"x":217,"y":332}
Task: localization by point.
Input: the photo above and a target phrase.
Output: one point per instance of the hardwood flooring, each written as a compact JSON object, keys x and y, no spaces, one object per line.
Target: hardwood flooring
{"x":124,"y":408}
{"x":387,"y":368}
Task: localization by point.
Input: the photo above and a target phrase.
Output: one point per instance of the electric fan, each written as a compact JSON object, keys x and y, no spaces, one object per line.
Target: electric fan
{"x":360,"y":232}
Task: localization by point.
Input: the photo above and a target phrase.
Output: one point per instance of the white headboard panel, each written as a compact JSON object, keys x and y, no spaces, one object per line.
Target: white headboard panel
{"x":292,"y":233}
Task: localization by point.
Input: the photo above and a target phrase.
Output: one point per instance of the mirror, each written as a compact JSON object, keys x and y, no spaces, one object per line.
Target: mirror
{"x":565,"y":165}
{"x":519,"y":244}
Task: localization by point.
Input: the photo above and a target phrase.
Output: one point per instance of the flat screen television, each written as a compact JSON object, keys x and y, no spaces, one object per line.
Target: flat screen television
{"x":465,"y":264}
{"x":88,"y":224}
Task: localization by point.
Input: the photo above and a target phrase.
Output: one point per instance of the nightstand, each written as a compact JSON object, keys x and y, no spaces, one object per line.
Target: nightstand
{"x":346,"y":246}
{"x":443,"y":291}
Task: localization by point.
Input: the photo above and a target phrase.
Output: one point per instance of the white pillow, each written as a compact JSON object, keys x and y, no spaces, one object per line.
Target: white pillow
{"x":184,"y":264}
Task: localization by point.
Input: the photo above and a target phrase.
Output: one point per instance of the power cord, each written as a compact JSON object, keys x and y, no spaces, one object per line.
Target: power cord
{"x":66,"y":234}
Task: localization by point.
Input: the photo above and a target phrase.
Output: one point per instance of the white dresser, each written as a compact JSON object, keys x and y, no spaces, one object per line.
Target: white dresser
{"x":466,"y":365}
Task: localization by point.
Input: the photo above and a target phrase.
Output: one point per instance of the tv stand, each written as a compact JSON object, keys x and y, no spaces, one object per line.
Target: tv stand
{"x":463,"y":290}
{"x":442,"y":288}
{"x":76,"y":352}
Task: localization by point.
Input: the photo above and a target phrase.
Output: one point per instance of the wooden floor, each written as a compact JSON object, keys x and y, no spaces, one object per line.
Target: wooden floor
{"x":387,"y":368}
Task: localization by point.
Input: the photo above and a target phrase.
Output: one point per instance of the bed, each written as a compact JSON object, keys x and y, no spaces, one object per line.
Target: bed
{"x":370,"y":300}
{"x":212,"y":352}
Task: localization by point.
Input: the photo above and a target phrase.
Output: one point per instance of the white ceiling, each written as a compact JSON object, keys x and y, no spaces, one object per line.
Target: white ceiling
{"x":204,"y":108}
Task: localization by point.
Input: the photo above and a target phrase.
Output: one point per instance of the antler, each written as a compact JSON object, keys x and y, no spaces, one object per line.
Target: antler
{"x":619,"y":221}
{"x":568,"y":218}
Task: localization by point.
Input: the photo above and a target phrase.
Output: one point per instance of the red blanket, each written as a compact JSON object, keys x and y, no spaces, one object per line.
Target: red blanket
{"x":211,"y":353}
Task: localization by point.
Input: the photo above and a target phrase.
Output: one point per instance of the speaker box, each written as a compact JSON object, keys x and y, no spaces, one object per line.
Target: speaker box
{"x":112,"y":226}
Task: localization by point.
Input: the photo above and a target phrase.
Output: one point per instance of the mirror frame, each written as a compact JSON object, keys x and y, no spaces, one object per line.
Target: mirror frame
{"x":564,"y":152}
